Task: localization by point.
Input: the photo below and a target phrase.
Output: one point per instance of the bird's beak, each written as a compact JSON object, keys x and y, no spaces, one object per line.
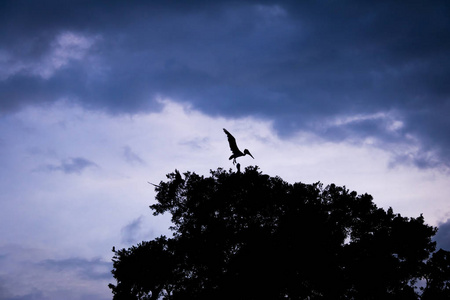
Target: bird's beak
{"x":248,"y":152}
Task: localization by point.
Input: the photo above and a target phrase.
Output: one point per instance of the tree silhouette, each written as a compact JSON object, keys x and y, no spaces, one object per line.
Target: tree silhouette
{"x":251,"y":236}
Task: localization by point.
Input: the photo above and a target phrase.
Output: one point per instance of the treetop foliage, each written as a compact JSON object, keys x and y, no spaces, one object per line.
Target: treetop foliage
{"x":251,"y":236}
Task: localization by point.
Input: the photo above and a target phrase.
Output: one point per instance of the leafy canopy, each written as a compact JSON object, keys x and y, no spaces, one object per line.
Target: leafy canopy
{"x":251,"y":236}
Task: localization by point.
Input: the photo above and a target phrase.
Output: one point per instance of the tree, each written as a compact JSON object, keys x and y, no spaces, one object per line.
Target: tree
{"x":251,"y":236}
{"x":437,"y":276}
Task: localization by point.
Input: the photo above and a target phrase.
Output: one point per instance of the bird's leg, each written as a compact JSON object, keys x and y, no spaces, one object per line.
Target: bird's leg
{"x":234,"y":161}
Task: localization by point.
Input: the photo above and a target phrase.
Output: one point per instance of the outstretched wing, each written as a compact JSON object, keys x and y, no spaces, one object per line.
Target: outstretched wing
{"x":232,"y":141}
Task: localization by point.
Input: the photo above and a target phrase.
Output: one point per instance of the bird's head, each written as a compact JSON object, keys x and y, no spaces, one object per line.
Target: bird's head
{"x":248,"y":152}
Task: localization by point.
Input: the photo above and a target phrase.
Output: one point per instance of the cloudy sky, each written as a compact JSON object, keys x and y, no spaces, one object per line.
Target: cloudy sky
{"x":99,"y":97}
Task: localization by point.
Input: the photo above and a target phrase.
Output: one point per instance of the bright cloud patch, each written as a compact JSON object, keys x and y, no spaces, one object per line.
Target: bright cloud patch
{"x":65,"y":48}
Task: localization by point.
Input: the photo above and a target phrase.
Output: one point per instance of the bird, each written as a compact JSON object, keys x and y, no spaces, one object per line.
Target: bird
{"x":234,"y":148}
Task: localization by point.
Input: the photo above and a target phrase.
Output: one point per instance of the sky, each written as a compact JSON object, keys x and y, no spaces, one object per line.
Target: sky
{"x":98,"y":98}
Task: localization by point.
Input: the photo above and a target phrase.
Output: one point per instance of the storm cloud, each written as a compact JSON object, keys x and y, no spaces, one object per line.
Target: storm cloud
{"x":302,"y":65}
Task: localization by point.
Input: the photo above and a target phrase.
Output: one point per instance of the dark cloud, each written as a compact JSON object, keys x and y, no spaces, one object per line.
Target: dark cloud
{"x":299,"y":64}
{"x":442,"y":237}
{"x":70,"y":166}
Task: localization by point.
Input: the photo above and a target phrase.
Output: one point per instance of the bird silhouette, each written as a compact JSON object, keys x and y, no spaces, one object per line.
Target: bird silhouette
{"x":234,"y":148}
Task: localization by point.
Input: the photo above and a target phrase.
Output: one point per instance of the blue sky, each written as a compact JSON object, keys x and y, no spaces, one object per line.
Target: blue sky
{"x":99,"y":97}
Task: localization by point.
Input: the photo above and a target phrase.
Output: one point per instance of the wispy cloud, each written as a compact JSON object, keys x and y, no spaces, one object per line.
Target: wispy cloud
{"x":130,"y":232}
{"x":196,"y":144}
{"x":74,"y":165}
{"x":131,"y":157}
{"x":92,"y":269}
{"x":26,"y":273}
